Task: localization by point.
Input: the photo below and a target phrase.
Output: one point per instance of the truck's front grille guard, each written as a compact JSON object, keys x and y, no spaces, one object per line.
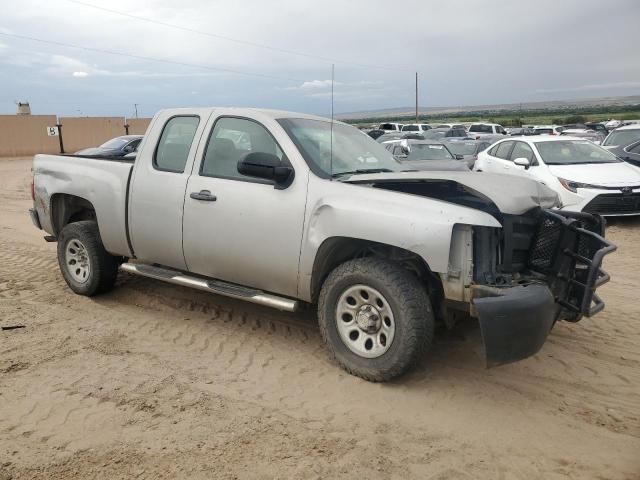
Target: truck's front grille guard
{"x":571,"y":256}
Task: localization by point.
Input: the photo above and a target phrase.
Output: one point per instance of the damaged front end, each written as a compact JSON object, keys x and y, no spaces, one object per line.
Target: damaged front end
{"x":539,"y":268}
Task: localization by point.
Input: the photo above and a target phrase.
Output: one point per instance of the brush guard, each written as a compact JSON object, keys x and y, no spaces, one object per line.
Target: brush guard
{"x":565,"y":260}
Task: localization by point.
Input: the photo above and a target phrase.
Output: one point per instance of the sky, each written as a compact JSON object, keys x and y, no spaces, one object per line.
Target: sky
{"x":99,"y":57}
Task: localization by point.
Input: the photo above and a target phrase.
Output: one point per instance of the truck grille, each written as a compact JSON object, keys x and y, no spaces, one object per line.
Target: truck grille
{"x":545,"y":244}
{"x":614,"y":204}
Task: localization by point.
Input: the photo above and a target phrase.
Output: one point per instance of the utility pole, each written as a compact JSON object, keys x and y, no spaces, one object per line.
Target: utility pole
{"x":416,"y":97}
{"x":135,"y":105}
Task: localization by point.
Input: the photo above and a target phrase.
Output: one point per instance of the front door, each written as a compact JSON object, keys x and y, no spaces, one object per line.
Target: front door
{"x":237,"y":228}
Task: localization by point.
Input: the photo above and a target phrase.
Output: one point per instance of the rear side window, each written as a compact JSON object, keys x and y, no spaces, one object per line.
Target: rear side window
{"x":481,"y":129}
{"x":175,"y":142}
{"x":522,"y":150}
{"x":503,"y":149}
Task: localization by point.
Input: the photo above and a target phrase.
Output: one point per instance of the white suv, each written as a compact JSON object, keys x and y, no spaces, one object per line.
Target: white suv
{"x":478,"y":130}
{"x":416,"y":127}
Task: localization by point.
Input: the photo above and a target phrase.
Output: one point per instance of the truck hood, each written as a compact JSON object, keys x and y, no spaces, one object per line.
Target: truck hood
{"x":606,"y":174}
{"x":489,"y":192}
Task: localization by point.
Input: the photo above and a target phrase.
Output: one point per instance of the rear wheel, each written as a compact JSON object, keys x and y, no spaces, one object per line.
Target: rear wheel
{"x":86,"y":266}
{"x":375,"y":317}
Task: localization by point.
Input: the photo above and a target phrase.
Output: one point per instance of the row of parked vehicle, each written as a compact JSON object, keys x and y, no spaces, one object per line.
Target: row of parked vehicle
{"x":590,"y":171}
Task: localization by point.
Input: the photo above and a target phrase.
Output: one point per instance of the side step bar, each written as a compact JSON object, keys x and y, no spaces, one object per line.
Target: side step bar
{"x":213,"y":286}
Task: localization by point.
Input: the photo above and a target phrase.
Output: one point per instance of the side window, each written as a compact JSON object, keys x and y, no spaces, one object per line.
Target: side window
{"x":175,"y":142}
{"x":133,"y":146}
{"x":494,"y":151}
{"x":230,"y":141}
{"x":522,"y":150}
{"x":503,"y":150}
{"x":635,"y":149}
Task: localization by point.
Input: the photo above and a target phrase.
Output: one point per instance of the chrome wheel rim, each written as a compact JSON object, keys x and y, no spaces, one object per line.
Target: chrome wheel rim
{"x":76,"y":260}
{"x":365,"y":321}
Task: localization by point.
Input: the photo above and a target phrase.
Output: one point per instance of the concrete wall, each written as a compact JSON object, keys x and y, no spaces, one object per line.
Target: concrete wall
{"x":138,"y":126}
{"x":24,"y":135}
{"x":84,"y":132}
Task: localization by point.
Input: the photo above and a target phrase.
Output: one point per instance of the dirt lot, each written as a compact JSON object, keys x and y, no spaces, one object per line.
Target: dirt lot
{"x":157,"y":381}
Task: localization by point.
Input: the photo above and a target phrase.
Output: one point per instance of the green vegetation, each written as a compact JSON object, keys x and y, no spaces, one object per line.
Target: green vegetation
{"x":517,"y":117}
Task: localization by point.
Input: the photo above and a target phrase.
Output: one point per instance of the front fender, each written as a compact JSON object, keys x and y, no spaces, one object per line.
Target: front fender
{"x":418,"y":224}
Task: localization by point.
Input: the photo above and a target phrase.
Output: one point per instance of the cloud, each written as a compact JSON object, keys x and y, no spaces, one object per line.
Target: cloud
{"x":80,"y":74}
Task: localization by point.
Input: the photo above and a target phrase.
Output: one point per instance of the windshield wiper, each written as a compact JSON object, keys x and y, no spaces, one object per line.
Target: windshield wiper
{"x":362,"y":171}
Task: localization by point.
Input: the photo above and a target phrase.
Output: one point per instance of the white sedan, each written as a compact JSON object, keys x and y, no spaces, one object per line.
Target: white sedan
{"x":587,"y":177}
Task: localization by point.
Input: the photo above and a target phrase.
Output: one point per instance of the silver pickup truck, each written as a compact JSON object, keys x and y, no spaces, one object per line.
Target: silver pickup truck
{"x":285,"y":209}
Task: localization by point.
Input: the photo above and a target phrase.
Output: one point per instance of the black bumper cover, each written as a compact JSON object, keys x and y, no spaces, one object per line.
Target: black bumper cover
{"x":515,"y":323}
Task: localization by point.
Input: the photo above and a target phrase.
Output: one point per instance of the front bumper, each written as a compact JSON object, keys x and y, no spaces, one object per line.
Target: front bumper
{"x":515,"y":321}
{"x":611,"y":202}
{"x":563,"y":272}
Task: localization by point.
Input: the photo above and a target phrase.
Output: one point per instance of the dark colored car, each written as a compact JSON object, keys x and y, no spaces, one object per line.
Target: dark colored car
{"x":469,"y":149}
{"x":629,"y":153}
{"x":116,"y":147}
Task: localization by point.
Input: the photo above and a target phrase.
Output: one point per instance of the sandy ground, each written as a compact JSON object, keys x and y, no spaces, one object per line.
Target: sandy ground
{"x":157,"y":381}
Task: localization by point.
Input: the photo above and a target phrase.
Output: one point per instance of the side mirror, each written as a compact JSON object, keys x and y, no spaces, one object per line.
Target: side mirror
{"x":268,"y":167}
{"x":459,"y":157}
{"x":523,"y":162}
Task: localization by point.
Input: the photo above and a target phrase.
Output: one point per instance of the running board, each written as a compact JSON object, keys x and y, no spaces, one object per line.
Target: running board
{"x":213,"y":286}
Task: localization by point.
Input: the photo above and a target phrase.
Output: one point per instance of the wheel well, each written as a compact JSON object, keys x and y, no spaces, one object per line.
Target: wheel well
{"x":67,"y":209}
{"x":337,"y":250}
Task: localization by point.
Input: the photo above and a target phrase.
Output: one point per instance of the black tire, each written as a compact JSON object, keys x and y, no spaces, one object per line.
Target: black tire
{"x":103,"y":267}
{"x":409,"y":302}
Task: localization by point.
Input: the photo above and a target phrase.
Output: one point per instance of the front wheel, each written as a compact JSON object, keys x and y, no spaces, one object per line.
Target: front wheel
{"x":86,"y":266}
{"x":375,"y":317}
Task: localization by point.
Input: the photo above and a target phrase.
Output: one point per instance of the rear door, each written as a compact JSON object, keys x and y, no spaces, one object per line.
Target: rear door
{"x":497,"y":158}
{"x":158,"y":186}
{"x":243,"y":230}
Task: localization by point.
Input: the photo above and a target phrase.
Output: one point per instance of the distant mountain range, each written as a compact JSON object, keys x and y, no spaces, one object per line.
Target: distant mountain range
{"x":548,"y":105}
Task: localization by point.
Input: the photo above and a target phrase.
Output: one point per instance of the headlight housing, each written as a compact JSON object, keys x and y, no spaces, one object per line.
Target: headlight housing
{"x":574,"y":186}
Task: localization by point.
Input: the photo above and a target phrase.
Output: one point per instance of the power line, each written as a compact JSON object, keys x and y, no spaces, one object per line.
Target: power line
{"x":235,"y":40}
{"x":151,"y":59}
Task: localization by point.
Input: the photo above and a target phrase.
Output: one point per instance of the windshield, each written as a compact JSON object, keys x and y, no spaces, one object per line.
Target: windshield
{"x":572,"y":152}
{"x":462,"y":148}
{"x":115,"y":143}
{"x":352,"y":150}
{"x":622,"y":137}
{"x":425,"y":151}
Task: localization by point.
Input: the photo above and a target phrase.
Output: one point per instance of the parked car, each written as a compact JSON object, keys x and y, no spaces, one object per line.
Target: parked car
{"x":588,"y":178}
{"x":468,"y":148}
{"x":622,"y":136}
{"x":390,"y":127}
{"x":286,"y":209}
{"x":478,"y":130}
{"x":450,"y":125}
{"x":445,"y":132}
{"x":416,"y":127}
{"x":520,"y":131}
{"x":547,"y":130}
{"x":588,"y":134}
{"x":389,"y":136}
{"x":425,"y":155}
{"x":629,"y":153}
{"x":116,"y":147}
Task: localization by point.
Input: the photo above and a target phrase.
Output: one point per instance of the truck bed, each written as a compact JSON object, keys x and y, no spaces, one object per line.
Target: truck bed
{"x":101,"y":181}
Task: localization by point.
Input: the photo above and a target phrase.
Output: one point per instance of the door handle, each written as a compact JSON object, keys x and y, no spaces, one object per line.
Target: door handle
{"x":204,"y":195}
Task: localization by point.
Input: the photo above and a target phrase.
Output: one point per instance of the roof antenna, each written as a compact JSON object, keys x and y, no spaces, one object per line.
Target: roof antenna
{"x":333,"y":67}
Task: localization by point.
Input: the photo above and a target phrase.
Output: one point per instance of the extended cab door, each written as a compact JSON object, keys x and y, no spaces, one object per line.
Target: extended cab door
{"x":158,"y":186}
{"x":237,"y":228}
